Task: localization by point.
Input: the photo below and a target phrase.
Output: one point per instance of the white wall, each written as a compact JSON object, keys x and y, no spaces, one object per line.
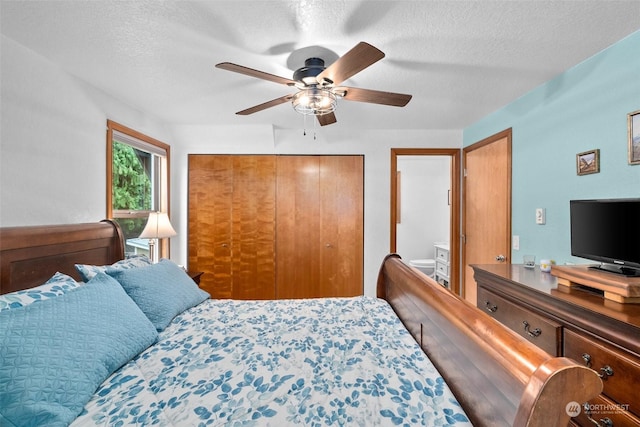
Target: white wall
{"x":425,"y":211}
{"x":53,"y":141}
{"x":53,"y":152}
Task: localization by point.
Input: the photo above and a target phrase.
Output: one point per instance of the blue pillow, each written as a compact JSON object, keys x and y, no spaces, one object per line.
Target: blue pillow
{"x":56,"y":353}
{"x":58,"y":284}
{"x":162,"y":290}
{"x":87,"y":271}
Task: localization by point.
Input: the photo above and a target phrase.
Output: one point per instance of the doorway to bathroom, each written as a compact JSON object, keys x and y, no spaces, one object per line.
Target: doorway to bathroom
{"x":425,"y":211}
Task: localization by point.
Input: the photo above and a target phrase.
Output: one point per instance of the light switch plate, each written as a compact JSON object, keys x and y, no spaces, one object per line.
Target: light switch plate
{"x":540,"y":216}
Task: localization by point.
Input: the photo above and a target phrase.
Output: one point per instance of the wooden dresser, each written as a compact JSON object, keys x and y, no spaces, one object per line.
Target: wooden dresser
{"x":573,"y":322}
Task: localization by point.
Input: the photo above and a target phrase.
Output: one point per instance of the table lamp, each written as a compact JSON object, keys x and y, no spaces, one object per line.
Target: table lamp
{"x":158,"y":227}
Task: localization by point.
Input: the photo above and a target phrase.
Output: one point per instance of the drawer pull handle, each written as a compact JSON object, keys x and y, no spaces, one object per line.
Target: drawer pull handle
{"x":491,"y":307}
{"x":535,"y":333}
{"x":604,"y":422}
{"x":605,"y":372}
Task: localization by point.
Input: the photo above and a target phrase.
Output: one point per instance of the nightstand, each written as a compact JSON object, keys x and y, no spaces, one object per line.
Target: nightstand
{"x":195,"y":275}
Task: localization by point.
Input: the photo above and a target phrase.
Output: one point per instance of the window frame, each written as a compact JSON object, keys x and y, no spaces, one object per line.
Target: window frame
{"x":164,"y":187}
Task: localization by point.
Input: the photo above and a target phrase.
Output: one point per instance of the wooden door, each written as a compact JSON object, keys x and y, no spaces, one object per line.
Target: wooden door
{"x":297,"y":227}
{"x":232,"y":224}
{"x":253,"y":227}
{"x":209,"y":229}
{"x":342,"y":235}
{"x":319,"y":226}
{"x":487,"y":206}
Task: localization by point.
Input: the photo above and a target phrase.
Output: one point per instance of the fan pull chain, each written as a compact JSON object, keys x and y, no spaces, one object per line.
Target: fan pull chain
{"x":304,"y":126}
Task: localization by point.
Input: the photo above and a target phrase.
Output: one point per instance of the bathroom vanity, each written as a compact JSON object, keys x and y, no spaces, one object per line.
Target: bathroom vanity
{"x":441,"y":251}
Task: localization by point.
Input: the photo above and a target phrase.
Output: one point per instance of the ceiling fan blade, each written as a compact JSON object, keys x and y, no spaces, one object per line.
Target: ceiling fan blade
{"x":352,"y":62}
{"x":373,"y":96}
{"x":327,"y":119}
{"x":255,"y":73}
{"x":265,"y":105}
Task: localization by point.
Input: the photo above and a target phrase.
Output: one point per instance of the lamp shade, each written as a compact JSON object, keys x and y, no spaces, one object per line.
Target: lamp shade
{"x":158,"y":227}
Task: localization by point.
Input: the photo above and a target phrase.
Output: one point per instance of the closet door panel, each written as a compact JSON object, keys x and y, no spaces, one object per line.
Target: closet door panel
{"x":210,"y":204}
{"x":341,"y":199}
{"x":298,"y":227}
{"x":253,"y":227}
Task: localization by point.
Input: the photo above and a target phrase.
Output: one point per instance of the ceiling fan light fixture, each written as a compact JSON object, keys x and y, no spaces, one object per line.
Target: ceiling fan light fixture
{"x":314,"y":101}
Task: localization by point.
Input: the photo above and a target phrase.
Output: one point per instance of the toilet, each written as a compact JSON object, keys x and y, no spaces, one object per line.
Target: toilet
{"x":427,"y":266}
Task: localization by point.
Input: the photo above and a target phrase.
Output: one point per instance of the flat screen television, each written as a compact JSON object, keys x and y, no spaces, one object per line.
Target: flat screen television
{"x":607,"y":231}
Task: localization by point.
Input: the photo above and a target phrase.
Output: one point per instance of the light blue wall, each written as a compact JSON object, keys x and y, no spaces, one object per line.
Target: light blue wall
{"x":582,"y":109}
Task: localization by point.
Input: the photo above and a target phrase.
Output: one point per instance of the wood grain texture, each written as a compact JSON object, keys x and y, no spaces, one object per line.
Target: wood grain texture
{"x":319,"y":237}
{"x":487,"y":205}
{"x":231,"y":224}
{"x":342,"y":225}
{"x":597,"y":333}
{"x":374,"y":96}
{"x":209,"y":229}
{"x":621,"y":385}
{"x":30,"y":255}
{"x":255,"y":73}
{"x":264,"y":227}
{"x":253,"y":227}
{"x":355,"y":60}
{"x":541,"y":331}
{"x":498,"y":377}
{"x":611,"y":283}
{"x":298,"y":234}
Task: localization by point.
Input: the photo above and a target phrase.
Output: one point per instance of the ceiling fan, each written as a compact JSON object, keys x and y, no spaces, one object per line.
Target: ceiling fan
{"x":318,"y":86}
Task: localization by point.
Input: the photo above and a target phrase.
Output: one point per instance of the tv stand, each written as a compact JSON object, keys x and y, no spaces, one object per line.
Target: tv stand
{"x":617,"y":287}
{"x":617,"y":269}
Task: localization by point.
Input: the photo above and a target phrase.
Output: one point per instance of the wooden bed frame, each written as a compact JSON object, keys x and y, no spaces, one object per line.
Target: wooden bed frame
{"x":498,"y":377}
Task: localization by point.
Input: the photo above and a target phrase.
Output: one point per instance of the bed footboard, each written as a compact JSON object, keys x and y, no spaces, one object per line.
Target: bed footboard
{"x":498,"y":377}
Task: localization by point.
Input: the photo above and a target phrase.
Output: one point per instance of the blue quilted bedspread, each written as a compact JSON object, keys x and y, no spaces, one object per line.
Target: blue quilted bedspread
{"x":319,"y":362}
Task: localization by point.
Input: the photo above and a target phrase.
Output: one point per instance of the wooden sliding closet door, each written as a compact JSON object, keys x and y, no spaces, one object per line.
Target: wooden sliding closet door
{"x":253,"y":227}
{"x":209,"y":230}
{"x":319,"y":226}
{"x":232,"y":224}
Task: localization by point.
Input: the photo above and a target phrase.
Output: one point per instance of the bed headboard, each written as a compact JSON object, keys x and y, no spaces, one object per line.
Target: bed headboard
{"x":30,"y":255}
{"x":498,"y":377}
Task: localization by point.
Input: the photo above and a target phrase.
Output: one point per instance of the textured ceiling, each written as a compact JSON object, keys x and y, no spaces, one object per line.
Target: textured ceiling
{"x":461,"y":60}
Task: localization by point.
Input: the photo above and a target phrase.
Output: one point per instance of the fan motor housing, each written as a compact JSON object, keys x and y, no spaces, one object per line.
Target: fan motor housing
{"x":307,"y":74}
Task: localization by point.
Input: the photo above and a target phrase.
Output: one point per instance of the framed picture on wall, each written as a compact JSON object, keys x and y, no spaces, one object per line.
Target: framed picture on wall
{"x":588,"y":162}
{"x":633,"y":120}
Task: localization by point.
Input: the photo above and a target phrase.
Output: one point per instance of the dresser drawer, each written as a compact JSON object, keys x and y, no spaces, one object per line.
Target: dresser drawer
{"x":442,"y":254}
{"x":605,"y":413}
{"x":619,"y":370}
{"x":542,"y":332}
{"x":442,"y":268}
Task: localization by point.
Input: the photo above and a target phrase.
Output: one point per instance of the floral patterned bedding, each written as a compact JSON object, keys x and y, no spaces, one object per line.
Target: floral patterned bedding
{"x":318,"y":362}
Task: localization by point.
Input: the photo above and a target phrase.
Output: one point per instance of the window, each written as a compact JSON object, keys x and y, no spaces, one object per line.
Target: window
{"x":137,"y":183}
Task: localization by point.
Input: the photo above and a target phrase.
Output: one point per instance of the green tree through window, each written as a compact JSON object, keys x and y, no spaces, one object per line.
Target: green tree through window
{"x":131,"y":182}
